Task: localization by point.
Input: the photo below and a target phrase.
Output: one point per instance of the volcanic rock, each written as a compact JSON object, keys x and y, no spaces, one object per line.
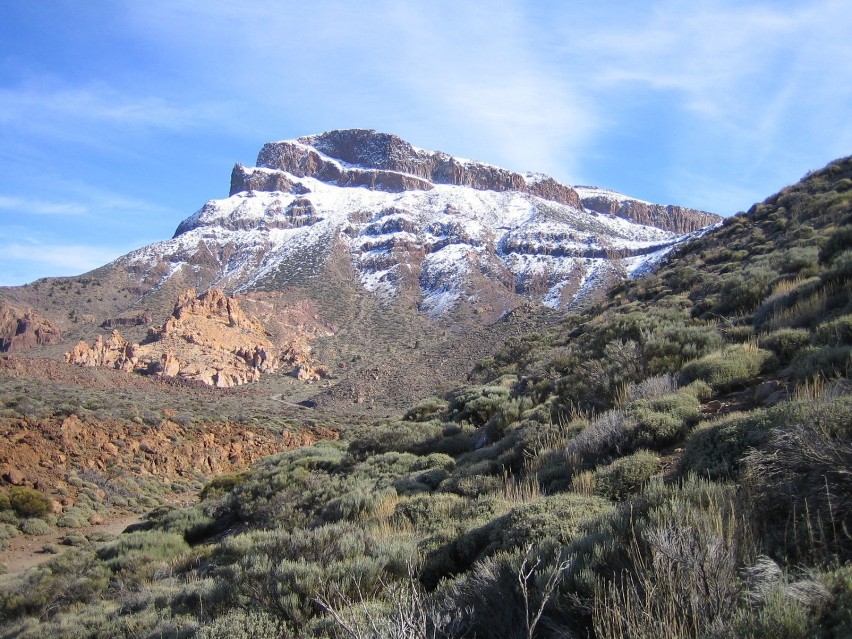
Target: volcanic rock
{"x":208,"y":338}
{"x":21,"y":329}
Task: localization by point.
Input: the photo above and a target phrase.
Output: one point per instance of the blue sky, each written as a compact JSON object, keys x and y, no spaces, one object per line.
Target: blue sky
{"x":119,"y":119}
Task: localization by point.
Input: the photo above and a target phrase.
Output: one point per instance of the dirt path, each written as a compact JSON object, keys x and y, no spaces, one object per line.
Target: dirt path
{"x":24,"y":551}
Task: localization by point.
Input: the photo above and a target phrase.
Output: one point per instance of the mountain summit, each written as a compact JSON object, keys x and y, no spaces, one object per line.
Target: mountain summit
{"x":416,"y":223}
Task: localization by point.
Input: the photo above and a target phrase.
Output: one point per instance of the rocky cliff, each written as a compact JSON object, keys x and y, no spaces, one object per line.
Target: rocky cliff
{"x":384,"y":162}
{"x":208,"y":338}
{"x":677,"y":219}
{"x":21,"y":329}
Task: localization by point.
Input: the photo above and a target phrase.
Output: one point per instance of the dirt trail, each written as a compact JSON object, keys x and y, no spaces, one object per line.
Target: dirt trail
{"x":24,"y":551}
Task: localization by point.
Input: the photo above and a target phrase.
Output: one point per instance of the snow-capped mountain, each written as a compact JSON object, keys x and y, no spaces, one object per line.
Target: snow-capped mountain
{"x":412,"y":222}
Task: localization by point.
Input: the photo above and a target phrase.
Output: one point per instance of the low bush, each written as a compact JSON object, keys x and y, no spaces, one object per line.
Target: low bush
{"x":243,"y":624}
{"x":835,"y":332}
{"x":554,"y":519}
{"x":74,"y":517}
{"x":823,"y":361}
{"x":35,"y":526}
{"x":74,"y":539}
{"x":221,"y":485}
{"x":71,"y":578}
{"x":626,"y":475}
{"x":281,"y":572}
{"x":191,"y":523}
{"x":426,"y":409}
{"x":728,"y":369}
{"x":786,"y":342}
{"x":663,"y":420}
{"x":137,"y":554}
{"x":801,"y":479}
{"x":664,"y":564}
{"x":28,"y":502}
{"x":403,"y":437}
{"x":716,"y":448}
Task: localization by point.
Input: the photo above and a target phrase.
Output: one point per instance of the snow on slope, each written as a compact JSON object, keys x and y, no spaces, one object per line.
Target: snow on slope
{"x":442,"y":235}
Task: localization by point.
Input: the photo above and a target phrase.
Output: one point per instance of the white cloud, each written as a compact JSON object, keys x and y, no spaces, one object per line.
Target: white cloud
{"x":96,"y":117}
{"x":73,"y":200}
{"x":24,"y":261}
{"x":40,"y":207}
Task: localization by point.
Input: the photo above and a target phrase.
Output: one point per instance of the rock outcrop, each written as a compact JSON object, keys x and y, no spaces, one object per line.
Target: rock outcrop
{"x":208,"y":338}
{"x":21,"y":329}
{"x":112,"y":352}
{"x":677,"y":219}
{"x":382,"y":162}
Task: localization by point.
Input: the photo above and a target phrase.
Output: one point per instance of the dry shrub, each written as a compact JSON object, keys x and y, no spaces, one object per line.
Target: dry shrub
{"x":803,"y":478}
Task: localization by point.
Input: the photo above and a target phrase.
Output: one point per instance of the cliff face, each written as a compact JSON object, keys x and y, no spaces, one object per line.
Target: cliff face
{"x":382,"y":162}
{"x":21,"y":329}
{"x":385,"y":162}
{"x":677,"y":219}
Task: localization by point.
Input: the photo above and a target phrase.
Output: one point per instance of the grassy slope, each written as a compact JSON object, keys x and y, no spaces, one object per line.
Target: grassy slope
{"x":674,"y":462}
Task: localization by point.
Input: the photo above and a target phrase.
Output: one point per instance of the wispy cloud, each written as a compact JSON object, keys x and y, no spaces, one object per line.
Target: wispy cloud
{"x":41,"y":102}
{"x":40,"y":207}
{"x":27,"y":260}
{"x":76,"y":200}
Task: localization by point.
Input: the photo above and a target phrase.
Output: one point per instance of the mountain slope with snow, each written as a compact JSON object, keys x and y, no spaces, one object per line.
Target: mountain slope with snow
{"x":425,"y":223}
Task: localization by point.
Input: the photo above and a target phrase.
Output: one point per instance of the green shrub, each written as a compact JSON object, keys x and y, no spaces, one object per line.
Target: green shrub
{"x":742,"y":293}
{"x":403,"y":437}
{"x":35,"y":526}
{"x":716,"y":448}
{"x":824,"y":361}
{"x":738,"y":334}
{"x":74,"y":539}
{"x":133,"y":551}
{"x":355,"y":505}
{"x":281,"y":572}
{"x":28,"y":502}
{"x":243,"y":624}
{"x":667,"y":349}
{"x":72,"y":578}
{"x":800,"y":478}
{"x":701,"y":390}
{"x":626,"y":475}
{"x":7,"y":531}
{"x":553,"y":519}
{"x":836,"y":332}
{"x":800,"y":260}
{"x":426,"y":409}
{"x":786,"y":342}
{"x":728,"y":369}
{"x":841,"y":268}
{"x":478,"y":404}
{"x":221,"y":485}
{"x":74,"y":517}
{"x":661,"y":421}
{"x":5,"y":504}
{"x":191,"y":523}
{"x":664,"y":564}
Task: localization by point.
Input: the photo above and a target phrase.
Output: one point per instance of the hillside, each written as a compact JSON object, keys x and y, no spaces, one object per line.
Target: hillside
{"x":671,"y":462}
